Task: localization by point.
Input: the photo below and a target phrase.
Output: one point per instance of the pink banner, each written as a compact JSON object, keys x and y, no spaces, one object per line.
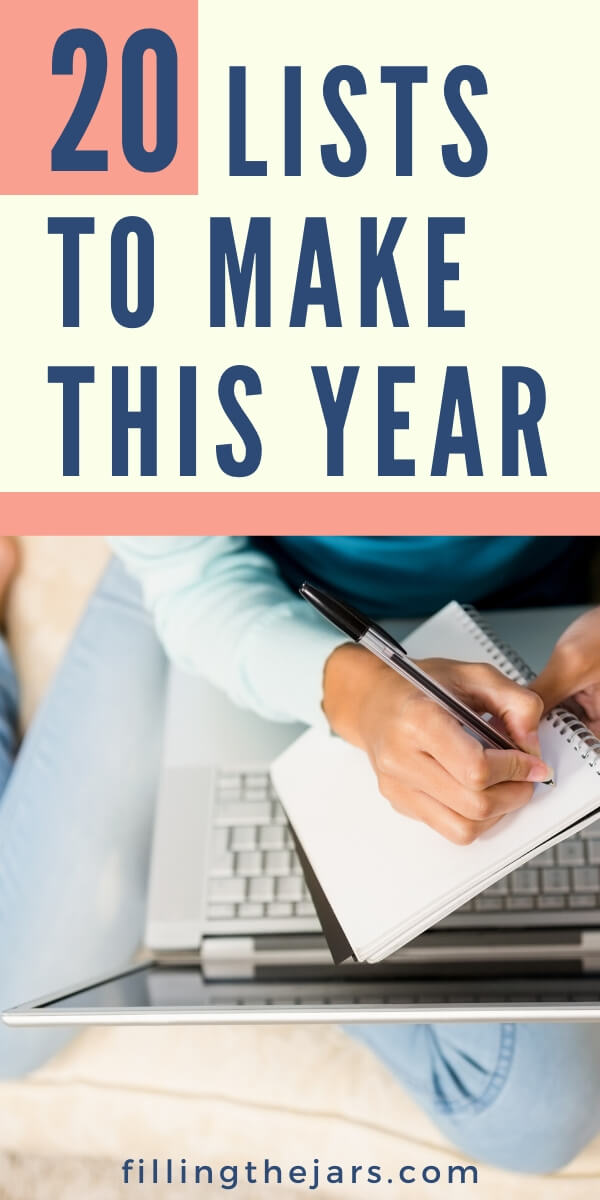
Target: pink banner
{"x":290,"y":513}
{"x":63,"y":62}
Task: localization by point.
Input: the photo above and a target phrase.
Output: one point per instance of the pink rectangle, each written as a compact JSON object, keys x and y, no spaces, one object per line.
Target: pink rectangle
{"x":37,"y":104}
{"x":298,"y":513}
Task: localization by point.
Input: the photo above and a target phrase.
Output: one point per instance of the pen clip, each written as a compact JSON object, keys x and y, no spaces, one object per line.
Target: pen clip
{"x":389,"y":640}
{"x":345,"y":618}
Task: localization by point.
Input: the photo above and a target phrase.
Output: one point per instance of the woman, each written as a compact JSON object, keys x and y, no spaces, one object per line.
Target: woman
{"x":525,"y":1097}
{"x":227,"y":608}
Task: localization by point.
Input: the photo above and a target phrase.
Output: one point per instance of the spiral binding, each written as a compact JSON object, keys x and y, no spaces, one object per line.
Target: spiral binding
{"x":507,"y":660}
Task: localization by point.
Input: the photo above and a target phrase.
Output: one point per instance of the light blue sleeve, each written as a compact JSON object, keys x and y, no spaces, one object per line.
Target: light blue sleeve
{"x":222,"y":611}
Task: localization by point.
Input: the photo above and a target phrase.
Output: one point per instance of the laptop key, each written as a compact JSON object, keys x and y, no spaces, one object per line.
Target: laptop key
{"x":242,"y":812}
{"x":228,"y":793}
{"x":249,"y":862}
{"x":220,"y":912}
{"x":545,"y":859}
{"x":288,"y":887}
{"x":227,"y":778}
{"x":488,"y":904}
{"x":549,"y":901}
{"x":592,"y":849}
{"x":277,"y":862}
{"x":518,"y":903}
{"x":243,"y":837}
{"x":221,"y":866}
{"x":586,"y":879}
{"x":582,"y":900}
{"x":261,"y":890}
{"x":251,"y":911}
{"x":571,"y":853}
{"x":227,"y":891}
{"x":256,"y":793}
{"x":555,"y":879}
{"x":304,"y":908}
{"x":525,"y":881}
{"x":279,"y":909}
{"x":500,"y":888}
{"x":271,"y":837}
{"x":220,"y":839}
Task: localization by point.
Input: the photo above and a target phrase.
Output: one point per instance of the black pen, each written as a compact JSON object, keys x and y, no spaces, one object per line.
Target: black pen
{"x":380,"y":643}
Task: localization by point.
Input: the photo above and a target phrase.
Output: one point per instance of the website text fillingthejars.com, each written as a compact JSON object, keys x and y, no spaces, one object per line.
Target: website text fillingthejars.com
{"x":310,"y":1176}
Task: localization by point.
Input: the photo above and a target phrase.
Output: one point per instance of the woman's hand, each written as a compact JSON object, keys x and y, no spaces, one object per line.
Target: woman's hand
{"x":573,"y":669}
{"x":426,"y":764}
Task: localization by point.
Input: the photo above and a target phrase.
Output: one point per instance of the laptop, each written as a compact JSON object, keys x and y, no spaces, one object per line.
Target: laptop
{"x":235,"y":919}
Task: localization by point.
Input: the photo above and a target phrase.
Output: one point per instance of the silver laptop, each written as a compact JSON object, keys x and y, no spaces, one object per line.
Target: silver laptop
{"x":235,"y":920}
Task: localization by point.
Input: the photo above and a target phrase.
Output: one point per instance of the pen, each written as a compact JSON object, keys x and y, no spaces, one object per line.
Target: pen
{"x":380,"y":643}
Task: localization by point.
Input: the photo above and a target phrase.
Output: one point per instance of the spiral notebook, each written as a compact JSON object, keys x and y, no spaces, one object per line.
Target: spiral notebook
{"x":387,"y":878}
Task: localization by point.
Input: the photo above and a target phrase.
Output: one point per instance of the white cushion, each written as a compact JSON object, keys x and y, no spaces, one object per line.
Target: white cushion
{"x":233,"y":1094}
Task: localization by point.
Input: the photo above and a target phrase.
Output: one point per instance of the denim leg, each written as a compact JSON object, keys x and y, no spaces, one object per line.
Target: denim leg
{"x":523,"y":1096}
{"x":76,"y":815}
{"x":8,"y":715}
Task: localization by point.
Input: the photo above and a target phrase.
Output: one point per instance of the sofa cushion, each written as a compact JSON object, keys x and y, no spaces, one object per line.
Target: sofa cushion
{"x":232,"y":1094}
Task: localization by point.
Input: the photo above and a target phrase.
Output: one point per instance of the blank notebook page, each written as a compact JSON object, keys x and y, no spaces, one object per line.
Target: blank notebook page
{"x":388,"y":877}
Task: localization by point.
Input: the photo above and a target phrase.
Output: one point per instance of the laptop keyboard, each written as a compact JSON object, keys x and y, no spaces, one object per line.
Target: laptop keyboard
{"x":255,"y":875}
{"x":256,"y":884}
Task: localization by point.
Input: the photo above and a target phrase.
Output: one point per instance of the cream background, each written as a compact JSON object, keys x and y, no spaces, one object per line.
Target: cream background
{"x":529,"y":259}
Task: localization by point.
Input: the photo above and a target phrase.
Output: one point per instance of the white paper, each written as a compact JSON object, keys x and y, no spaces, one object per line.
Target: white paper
{"x":388,"y":877}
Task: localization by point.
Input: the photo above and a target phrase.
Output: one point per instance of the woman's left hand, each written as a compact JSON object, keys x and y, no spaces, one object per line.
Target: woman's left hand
{"x":573,"y":669}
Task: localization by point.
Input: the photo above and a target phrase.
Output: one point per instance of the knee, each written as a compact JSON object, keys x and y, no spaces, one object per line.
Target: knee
{"x":523,"y":1097}
{"x":547,"y":1105}
{"x":535,"y":1147}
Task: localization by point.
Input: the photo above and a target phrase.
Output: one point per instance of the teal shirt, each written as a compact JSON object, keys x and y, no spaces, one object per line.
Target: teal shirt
{"x":414,"y":576}
{"x":227,"y":607}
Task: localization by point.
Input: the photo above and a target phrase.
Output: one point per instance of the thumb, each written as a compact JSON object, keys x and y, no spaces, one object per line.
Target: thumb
{"x":557,"y":680}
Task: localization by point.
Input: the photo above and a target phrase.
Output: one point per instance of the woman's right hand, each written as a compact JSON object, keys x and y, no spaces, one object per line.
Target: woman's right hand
{"x":427,"y":765}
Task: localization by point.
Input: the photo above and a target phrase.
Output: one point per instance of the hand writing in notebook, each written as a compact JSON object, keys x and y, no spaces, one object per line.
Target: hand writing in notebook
{"x":573,"y":669}
{"x":427,"y":766}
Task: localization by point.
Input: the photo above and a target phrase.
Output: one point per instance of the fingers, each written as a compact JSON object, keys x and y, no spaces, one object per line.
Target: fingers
{"x":589,"y":699}
{"x":423,"y":773}
{"x":519,"y":708}
{"x":482,"y":804}
{"x":552,"y":685}
{"x":440,"y":736}
{"x":445,"y":821}
{"x":431,"y":769}
{"x":573,"y":664}
{"x":588,"y":702}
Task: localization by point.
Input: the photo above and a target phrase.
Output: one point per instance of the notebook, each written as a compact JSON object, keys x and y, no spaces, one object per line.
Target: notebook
{"x":388,"y":878}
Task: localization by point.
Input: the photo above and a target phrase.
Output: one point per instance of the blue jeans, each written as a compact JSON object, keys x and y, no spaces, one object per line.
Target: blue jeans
{"x":76,"y":813}
{"x":75,"y":823}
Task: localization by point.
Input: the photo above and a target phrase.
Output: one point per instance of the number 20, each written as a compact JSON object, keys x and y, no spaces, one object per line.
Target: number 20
{"x":65,"y":154}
